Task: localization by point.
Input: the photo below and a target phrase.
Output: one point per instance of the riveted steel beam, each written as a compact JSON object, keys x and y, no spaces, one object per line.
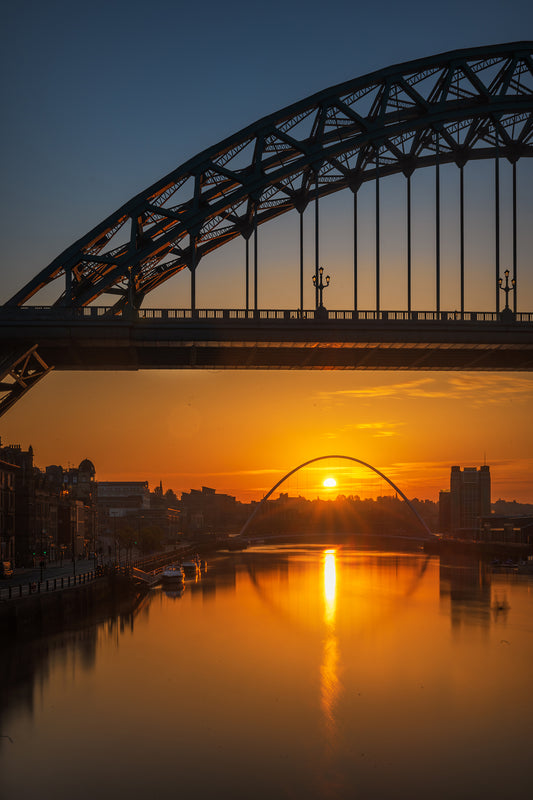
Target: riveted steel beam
{"x":19,"y":372}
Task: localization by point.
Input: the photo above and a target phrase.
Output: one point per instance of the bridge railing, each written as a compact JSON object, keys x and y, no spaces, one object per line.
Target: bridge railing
{"x":109,"y":313}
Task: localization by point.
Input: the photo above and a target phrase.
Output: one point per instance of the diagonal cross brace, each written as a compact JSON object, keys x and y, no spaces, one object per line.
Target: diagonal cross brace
{"x":18,"y":373}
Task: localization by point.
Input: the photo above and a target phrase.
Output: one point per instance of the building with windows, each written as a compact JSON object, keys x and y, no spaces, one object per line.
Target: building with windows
{"x":130,"y":516}
{"x":25,"y":522}
{"x":469,"y":500}
{"x":48,"y":513}
{"x":7,"y":511}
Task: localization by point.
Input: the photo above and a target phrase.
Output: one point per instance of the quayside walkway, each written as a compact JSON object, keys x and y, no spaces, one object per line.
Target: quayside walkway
{"x":60,"y":577}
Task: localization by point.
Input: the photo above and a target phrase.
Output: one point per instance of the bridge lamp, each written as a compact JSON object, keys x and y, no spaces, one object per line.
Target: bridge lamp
{"x":506,"y":288}
{"x":320,"y":285}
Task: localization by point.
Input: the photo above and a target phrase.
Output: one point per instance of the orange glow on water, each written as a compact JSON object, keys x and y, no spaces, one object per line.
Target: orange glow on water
{"x":315,"y":651}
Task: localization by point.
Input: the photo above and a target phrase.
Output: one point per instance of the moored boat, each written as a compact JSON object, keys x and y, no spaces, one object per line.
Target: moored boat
{"x":172,"y":575}
{"x":190,"y":568}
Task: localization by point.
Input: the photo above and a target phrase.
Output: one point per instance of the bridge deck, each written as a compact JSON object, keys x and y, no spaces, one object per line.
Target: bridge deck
{"x":285,"y":340}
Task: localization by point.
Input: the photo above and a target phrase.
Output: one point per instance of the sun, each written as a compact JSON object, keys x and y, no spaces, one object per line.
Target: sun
{"x":329,"y":483}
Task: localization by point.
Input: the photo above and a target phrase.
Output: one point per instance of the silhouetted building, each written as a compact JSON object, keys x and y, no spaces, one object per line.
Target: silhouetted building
{"x":445,"y":510}
{"x":40,"y":499}
{"x":206,"y":511}
{"x":25,"y":528}
{"x":66,"y":500}
{"x":469,"y":499}
{"x":130,"y":516}
{"x":7,"y":511}
{"x":507,"y":530}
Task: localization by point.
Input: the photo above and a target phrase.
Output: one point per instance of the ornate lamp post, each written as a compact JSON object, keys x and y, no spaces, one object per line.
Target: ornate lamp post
{"x":507,"y":313}
{"x":319,"y":284}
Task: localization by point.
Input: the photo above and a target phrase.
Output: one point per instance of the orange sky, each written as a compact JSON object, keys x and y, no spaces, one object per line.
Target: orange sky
{"x":240,"y":432}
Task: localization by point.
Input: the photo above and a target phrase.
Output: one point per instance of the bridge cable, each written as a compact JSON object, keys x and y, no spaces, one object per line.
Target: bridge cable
{"x":193,"y":274}
{"x":301,"y":261}
{"x":247,"y":251}
{"x":437,"y":223}
{"x":255,"y":258}
{"x":378,"y":254}
{"x":355,"y":250}
{"x":462,"y":233}
{"x":317,"y":239}
{"x":497,"y":217}
{"x":515,"y":265}
{"x":409,"y":243}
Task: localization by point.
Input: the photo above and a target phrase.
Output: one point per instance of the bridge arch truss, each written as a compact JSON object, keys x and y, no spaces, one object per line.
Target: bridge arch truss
{"x":450,"y":108}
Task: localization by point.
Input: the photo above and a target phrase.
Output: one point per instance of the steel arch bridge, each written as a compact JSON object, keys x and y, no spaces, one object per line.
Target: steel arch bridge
{"x":462,"y":105}
{"x":454,"y":108}
{"x":427,"y":532}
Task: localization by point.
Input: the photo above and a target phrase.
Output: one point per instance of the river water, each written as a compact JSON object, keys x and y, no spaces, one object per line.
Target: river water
{"x":297,"y":671}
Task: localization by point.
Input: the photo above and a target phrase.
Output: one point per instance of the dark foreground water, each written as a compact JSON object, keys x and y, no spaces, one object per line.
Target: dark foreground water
{"x":290,"y":672}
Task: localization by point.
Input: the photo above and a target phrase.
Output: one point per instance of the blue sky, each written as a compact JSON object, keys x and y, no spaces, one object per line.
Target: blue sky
{"x":100,"y":100}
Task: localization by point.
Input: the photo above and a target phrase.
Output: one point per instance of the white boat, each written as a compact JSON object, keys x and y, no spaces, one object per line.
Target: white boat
{"x":172,"y":575}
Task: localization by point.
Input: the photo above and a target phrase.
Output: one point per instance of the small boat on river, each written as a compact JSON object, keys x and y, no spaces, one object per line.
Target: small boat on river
{"x":190,"y":568}
{"x":172,"y":575}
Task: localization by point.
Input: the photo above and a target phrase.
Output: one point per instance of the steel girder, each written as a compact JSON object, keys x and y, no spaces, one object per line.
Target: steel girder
{"x":454,"y":107}
{"x":19,"y":372}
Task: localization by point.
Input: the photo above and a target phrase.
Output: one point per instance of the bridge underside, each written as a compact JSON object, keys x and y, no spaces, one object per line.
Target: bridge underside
{"x":277,"y":344}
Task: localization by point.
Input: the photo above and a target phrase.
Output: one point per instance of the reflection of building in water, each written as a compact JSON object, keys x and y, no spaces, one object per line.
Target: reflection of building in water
{"x":467,"y":585}
{"x":25,"y":663}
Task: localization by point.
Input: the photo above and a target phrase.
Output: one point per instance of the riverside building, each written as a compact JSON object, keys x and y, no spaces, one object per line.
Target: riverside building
{"x":469,"y":500}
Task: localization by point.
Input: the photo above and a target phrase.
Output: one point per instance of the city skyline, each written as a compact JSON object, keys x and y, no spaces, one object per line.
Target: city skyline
{"x":329,"y":479}
{"x":83,"y":139}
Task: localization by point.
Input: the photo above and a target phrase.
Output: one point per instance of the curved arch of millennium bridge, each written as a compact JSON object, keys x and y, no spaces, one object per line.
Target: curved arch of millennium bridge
{"x":450,"y":108}
{"x":428,"y":533}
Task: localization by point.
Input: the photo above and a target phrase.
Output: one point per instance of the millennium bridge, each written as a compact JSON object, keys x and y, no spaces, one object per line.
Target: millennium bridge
{"x":434,"y":114}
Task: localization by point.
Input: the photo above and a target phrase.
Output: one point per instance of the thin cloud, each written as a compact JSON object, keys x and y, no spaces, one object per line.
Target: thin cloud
{"x":229,"y":473}
{"x":380,"y":429}
{"x":477,"y":389}
{"x":384,"y":390}
{"x":376,"y":429}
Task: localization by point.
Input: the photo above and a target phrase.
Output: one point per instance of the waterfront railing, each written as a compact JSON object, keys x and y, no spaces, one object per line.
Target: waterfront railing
{"x":14,"y":591}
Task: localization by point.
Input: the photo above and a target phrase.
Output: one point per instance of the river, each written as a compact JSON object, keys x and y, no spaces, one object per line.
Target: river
{"x":297,"y":671}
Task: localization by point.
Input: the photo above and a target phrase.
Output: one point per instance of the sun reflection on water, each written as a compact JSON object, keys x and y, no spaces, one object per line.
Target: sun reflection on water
{"x":330,"y":587}
{"x":329,"y":669}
